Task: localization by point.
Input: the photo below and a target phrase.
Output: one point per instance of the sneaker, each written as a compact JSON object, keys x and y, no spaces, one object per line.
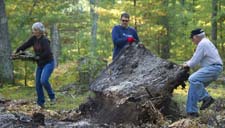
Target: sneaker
{"x":52,"y":101}
{"x":42,"y":106}
{"x":192,"y":114}
{"x":207,"y":102}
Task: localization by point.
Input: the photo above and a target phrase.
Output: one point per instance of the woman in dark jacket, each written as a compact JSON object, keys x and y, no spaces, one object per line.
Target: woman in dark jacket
{"x":45,"y":62}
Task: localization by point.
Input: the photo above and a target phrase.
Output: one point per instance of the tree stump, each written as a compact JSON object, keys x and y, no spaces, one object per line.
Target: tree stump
{"x":135,"y":88}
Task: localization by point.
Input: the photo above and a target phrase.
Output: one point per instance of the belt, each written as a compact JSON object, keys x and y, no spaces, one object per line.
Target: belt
{"x":217,"y":64}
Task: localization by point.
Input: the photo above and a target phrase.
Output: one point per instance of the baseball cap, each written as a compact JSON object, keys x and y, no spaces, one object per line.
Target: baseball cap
{"x":196,"y":32}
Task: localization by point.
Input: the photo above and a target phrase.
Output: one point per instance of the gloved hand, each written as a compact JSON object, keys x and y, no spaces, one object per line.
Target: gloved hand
{"x":184,"y":65}
{"x":130,"y":39}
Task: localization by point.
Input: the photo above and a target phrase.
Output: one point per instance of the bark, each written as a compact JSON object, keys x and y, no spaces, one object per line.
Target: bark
{"x":6,"y":66}
{"x":220,"y":28}
{"x":214,"y":22}
{"x":136,"y":87}
{"x":182,"y":2}
{"x":94,"y":17}
{"x":55,"y":43}
{"x":165,"y":43}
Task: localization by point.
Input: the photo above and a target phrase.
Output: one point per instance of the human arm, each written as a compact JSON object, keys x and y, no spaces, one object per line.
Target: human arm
{"x":197,"y":56}
{"x":117,"y":37}
{"x":26,"y":45}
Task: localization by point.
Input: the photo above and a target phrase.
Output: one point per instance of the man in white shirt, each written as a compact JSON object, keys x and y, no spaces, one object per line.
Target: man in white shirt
{"x":207,"y":56}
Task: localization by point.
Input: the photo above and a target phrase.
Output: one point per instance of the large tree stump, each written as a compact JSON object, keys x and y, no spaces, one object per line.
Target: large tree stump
{"x":135,"y":88}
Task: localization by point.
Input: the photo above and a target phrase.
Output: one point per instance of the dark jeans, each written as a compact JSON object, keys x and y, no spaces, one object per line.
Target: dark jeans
{"x":42,"y":80}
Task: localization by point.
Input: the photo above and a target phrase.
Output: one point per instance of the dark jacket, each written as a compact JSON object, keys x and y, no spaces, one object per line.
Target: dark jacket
{"x":41,"y":48}
{"x":119,"y":37}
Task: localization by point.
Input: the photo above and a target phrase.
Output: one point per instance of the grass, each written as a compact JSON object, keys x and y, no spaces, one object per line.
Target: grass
{"x":63,"y":101}
{"x":18,"y":92}
{"x":63,"y":75}
{"x":180,"y":95}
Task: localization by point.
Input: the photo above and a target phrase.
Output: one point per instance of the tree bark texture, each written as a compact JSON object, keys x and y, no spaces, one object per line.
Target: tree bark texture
{"x":6,"y":66}
{"x":94,"y":17}
{"x":165,"y":42}
{"x":135,"y":87}
{"x":214,"y":21}
{"x":55,"y":43}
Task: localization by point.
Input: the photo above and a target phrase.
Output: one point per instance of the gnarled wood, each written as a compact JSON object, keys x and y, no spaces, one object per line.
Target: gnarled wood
{"x":136,"y":87}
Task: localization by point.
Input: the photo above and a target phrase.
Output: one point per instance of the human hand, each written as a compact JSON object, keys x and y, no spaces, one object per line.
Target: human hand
{"x":186,"y":67}
{"x":130,"y":39}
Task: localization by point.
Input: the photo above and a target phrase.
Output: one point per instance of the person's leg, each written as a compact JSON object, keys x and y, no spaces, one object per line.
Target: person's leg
{"x":198,"y":81}
{"x":46,"y":73}
{"x":39,"y":88}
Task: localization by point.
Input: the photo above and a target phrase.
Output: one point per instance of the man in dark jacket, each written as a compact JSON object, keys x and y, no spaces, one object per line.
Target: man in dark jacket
{"x":123,"y":34}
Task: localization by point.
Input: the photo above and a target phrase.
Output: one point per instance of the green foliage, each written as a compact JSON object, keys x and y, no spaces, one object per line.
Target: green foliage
{"x":157,"y":22}
{"x":89,"y":67}
{"x":67,"y":101}
{"x":18,"y":92}
{"x":215,"y":90}
{"x":64,"y":74}
{"x":183,"y":17}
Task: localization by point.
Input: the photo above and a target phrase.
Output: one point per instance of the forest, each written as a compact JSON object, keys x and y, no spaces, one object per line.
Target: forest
{"x":80,"y":32}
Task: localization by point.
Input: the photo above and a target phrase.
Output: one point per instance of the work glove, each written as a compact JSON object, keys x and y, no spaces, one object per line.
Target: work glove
{"x":130,"y":39}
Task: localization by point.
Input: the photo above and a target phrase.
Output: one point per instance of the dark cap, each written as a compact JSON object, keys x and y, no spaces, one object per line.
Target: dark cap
{"x":196,"y":32}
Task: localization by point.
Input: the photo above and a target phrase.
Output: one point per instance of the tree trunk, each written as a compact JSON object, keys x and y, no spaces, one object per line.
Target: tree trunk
{"x":6,"y":66}
{"x":94,"y":17}
{"x":220,"y":33}
{"x":135,"y":19}
{"x":214,"y":21}
{"x":135,"y":88}
{"x":55,"y":43}
{"x":165,"y":44}
{"x":182,"y":2}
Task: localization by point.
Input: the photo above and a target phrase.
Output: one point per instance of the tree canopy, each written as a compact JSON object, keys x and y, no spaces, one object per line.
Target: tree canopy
{"x":85,"y":26}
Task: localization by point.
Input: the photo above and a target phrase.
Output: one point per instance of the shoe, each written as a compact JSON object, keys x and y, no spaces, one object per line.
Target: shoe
{"x":192,"y":114}
{"x":42,"y":106}
{"x":207,"y":102}
{"x":52,"y":101}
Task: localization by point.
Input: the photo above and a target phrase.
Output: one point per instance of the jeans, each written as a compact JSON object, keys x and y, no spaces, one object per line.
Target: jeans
{"x":198,"y":81}
{"x":42,"y":80}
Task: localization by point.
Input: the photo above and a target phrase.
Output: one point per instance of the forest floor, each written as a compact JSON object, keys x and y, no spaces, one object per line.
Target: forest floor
{"x":22,"y":99}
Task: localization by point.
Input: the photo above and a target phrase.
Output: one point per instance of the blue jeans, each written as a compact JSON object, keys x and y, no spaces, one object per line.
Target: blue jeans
{"x":42,"y":80}
{"x":198,"y":81}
